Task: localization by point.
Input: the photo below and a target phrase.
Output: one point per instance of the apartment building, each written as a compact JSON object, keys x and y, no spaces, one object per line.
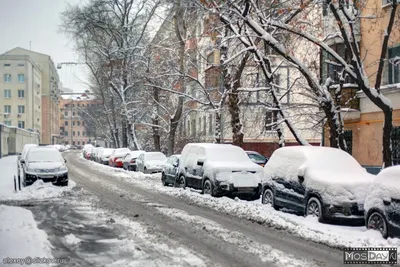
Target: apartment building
{"x":72,"y":127}
{"x":50,"y":93}
{"x":20,"y":92}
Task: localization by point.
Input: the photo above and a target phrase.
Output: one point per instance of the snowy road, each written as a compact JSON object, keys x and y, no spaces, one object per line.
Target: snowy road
{"x":211,"y":237}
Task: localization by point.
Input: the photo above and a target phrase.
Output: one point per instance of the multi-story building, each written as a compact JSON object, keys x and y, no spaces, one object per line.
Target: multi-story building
{"x":363,"y":120}
{"x":20,"y":92}
{"x":73,"y":126}
{"x":50,"y":92}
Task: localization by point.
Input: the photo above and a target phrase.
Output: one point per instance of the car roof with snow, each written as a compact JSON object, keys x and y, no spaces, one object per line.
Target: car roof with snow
{"x":389,"y":176}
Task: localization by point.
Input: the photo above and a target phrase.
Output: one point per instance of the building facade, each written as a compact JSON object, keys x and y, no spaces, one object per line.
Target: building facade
{"x":20,"y":92}
{"x":50,"y":94}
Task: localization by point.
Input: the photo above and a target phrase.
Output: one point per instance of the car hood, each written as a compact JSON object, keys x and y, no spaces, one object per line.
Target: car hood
{"x":45,"y":165}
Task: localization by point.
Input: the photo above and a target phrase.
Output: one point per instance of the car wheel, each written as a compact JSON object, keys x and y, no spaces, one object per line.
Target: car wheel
{"x":268,"y":197}
{"x":164,"y":179}
{"x":208,"y":188}
{"x":181,"y":182}
{"x":376,"y":221}
{"x":314,"y":208}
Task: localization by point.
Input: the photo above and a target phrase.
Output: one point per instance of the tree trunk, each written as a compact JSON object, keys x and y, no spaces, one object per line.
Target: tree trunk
{"x":155,"y":120}
{"x":237,"y":134}
{"x":114,"y":119}
{"x":387,"y":139}
{"x":279,"y":131}
{"x":124,"y":126}
{"x":218,"y":130}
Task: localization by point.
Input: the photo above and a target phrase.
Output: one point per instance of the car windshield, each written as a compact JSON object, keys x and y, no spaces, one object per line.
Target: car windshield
{"x":42,"y":155}
{"x":256,"y":157}
{"x":155,"y":156}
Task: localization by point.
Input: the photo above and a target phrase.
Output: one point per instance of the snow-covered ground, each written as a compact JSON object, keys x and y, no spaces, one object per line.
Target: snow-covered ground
{"x":309,"y":228}
{"x":39,"y":190}
{"x":20,"y":237}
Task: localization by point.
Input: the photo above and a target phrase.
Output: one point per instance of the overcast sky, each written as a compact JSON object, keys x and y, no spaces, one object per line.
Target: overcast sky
{"x":37,"y":21}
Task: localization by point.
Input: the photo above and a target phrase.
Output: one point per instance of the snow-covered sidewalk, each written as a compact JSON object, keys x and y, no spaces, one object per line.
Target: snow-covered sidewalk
{"x":39,"y":190}
{"x":338,"y":236}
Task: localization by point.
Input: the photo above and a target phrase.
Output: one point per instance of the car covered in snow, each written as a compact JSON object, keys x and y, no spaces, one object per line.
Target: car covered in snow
{"x":117,"y":157}
{"x":219,"y":170}
{"x":318,"y":181}
{"x":382,"y":206}
{"x":104,"y":155}
{"x":151,"y":162}
{"x":44,"y":163}
{"x":170,"y":170}
{"x":129,"y":162}
{"x":86,"y":149}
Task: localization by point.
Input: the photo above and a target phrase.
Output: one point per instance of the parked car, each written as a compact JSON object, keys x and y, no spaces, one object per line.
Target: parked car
{"x":44,"y":163}
{"x":105,"y":155}
{"x":98,"y":154}
{"x":117,"y":157}
{"x":318,"y":181}
{"x":129,"y":162}
{"x":151,"y":162}
{"x":170,"y":171}
{"x":382,"y":206}
{"x":257,"y":158}
{"x":85,"y":149}
{"x":22,"y":157}
{"x":219,"y":170}
{"x":94,"y":152}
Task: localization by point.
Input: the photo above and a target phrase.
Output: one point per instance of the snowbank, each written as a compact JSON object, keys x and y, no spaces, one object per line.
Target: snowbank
{"x":20,"y":237}
{"x":39,"y":190}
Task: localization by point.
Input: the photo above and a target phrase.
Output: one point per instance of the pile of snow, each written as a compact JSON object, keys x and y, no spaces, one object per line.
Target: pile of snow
{"x":39,"y":190}
{"x":71,"y":239}
{"x":20,"y":236}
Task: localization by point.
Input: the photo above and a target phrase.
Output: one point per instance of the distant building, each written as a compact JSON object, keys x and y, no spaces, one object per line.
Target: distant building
{"x":49,"y":90}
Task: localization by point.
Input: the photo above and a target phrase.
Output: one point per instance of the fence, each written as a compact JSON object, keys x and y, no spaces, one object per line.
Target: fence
{"x":13,"y":139}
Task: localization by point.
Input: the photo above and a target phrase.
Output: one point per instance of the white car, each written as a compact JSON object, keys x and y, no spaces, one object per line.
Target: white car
{"x":129,"y":162}
{"x":382,"y":206}
{"x":151,"y":162}
{"x":104,"y":155}
{"x":219,"y":170}
{"x":318,"y":181}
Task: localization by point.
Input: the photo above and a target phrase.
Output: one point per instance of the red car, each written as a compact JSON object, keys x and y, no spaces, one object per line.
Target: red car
{"x":117,"y":157}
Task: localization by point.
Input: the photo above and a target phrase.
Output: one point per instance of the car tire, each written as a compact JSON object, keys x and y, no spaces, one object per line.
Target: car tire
{"x":268,"y":197}
{"x":208,"y":188}
{"x":377,"y":221}
{"x":314,"y":208}
{"x":164,"y":179}
{"x":181,"y":182}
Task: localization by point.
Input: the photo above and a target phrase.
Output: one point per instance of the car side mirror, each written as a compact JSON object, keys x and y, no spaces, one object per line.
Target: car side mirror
{"x":387,"y":201}
{"x":301,"y":179}
{"x":200,"y":162}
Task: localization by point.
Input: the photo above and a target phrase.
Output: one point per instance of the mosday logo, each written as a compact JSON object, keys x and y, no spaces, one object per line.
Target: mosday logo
{"x":370,"y":255}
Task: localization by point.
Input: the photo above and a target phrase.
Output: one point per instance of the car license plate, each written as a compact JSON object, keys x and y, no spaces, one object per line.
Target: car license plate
{"x":360,"y":206}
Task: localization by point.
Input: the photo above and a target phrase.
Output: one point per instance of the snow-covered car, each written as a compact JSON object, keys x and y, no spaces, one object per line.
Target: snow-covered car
{"x":151,"y":162}
{"x":257,"y":158}
{"x":129,"y":162}
{"x":94,"y":153}
{"x":98,"y":154}
{"x":382,"y":206}
{"x":170,"y":170}
{"x":104,"y":155}
{"x":88,"y":153}
{"x":44,"y":163}
{"x":85,"y":149}
{"x":318,"y":181}
{"x":117,"y":157}
{"x":219,"y":169}
{"x":22,"y":157}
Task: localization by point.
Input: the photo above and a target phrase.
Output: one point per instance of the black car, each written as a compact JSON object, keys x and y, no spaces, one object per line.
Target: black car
{"x":170,"y":171}
{"x":46,"y":164}
{"x":257,"y":158}
{"x":382,"y":205}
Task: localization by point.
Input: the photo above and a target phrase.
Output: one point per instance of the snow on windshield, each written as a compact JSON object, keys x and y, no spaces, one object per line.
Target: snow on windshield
{"x":37,"y":155}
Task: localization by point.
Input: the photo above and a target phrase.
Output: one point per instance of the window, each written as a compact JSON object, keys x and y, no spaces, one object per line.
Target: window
{"x":83,"y":123}
{"x":270,"y":120}
{"x":348,"y":138}
{"x":21,"y":109}
{"x":66,"y":123}
{"x":394,"y":65}
{"x":73,"y":123}
{"x":7,"y":78}
{"x":205,"y":125}
{"x":8,"y":123}
{"x":396,"y":145}
{"x":7,"y":93}
{"x":78,"y":105}
{"x":66,"y":106}
{"x":73,"y":143}
{"x":79,"y":133}
{"x":73,"y":113}
{"x":66,"y":133}
{"x":7,"y":109}
{"x":210,"y":124}
{"x":73,"y":133}
{"x":79,"y":143}
{"x":79,"y":123}
{"x":83,"y":133}
{"x":277,"y":82}
{"x":7,"y":65}
{"x":21,"y":64}
{"x":21,"y":78}
{"x":73,"y":105}
{"x":83,"y":143}
{"x":21,"y":93}
{"x":21,"y":124}
{"x":66,"y":113}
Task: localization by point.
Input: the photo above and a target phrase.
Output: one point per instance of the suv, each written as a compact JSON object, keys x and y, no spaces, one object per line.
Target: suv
{"x":318,"y":181}
{"x":219,"y":170}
